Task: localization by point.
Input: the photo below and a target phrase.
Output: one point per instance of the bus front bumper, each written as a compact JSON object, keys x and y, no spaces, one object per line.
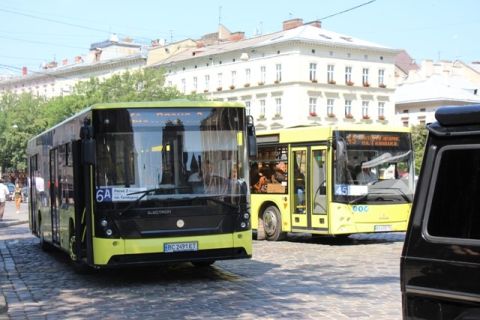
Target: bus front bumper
{"x":117,"y":252}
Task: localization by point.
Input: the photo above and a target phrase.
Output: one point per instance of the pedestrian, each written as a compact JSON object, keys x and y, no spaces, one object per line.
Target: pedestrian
{"x":3,"y":197}
{"x":18,"y":196}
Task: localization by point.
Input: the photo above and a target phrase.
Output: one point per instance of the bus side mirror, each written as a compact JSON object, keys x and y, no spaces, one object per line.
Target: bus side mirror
{"x":251,"y":138}
{"x":88,"y":152}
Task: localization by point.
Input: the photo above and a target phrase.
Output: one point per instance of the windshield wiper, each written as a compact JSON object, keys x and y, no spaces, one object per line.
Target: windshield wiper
{"x":361,"y":198}
{"x":144,"y":193}
{"x":216,"y":200}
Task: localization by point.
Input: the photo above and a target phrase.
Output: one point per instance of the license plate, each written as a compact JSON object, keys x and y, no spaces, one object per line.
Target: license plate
{"x":383,"y":228}
{"x":180,"y":246}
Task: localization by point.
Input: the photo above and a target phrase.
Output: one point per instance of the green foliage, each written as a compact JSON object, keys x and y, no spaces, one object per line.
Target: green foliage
{"x":419,"y":139}
{"x":24,"y":116}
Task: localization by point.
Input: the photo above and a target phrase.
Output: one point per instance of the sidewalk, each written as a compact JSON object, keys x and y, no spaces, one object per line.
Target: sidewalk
{"x":11,"y":218}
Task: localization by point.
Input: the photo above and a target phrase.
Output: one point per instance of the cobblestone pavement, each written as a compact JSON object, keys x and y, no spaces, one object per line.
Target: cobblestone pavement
{"x":303,"y":278}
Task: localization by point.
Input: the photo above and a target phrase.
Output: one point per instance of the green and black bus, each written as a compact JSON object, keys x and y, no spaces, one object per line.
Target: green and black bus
{"x":144,"y":182}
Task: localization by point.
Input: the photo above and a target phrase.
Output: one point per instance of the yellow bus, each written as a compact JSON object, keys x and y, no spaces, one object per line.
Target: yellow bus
{"x":147,"y":182}
{"x":332,"y":180}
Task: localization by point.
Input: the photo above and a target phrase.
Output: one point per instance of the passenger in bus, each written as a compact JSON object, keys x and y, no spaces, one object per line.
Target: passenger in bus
{"x":366,"y":176}
{"x":280,"y":174}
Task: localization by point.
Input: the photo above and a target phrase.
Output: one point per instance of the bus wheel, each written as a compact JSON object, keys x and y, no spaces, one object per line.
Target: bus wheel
{"x":272,"y":224}
{"x":203,"y":264}
{"x":71,"y":248}
{"x":78,"y":266}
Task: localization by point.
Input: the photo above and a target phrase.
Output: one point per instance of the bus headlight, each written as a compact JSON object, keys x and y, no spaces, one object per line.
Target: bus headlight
{"x":108,"y":232}
{"x":246,"y":216}
{"x":243,"y":225}
{"x":103,"y":223}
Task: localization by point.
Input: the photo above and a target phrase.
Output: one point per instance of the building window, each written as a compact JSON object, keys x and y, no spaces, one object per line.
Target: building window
{"x":348,"y":109}
{"x":348,"y":76}
{"x":247,"y":75}
{"x":381,"y":78}
{"x":195,"y":83}
{"x":169,"y":83}
{"x":247,"y":108}
{"x":365,"y":77}
{"x":263,"y":74}
{"x":381,"y":110}
{"x":330,"y":105}
{"x":234,"y":76}
{"x":312,"y":107}
{"x":278,"y":107}
{"x":421,"y":110}
{"x":207,"y":82}
{"x":262,"y":108}
{"x":330,"y":75}
{"x":220,"y":81}
{"x":184,"y":86}
{"x":278,"y":73}
{"x":313,"y":72}
{"x":365,"y":109}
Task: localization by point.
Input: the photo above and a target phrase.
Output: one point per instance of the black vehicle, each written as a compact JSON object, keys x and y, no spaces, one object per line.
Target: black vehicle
{"x":440,"y":263}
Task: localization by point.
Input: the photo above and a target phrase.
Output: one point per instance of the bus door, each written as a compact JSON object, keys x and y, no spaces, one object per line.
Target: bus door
{"x":309,"y":185}
{"x":54,"y":195}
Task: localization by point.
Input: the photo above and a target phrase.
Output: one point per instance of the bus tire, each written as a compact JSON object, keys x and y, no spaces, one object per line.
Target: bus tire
{"x":203,"y":264}
{"x":272,"y":224}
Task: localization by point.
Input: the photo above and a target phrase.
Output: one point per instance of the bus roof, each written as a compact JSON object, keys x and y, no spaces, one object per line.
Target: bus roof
{"x":320,"y":132}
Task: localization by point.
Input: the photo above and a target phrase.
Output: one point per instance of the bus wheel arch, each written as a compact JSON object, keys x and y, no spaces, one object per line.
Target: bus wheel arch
{"x":271,"y":220}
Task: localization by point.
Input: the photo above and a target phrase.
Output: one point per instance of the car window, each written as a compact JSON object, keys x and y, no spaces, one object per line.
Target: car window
{"x":455,"y":210}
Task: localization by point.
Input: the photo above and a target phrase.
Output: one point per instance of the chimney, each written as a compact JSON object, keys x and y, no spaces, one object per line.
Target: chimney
{"x":315,"y":23}
{"x":292,"y":23}
{"x":237,"y":36}
{"x":24,"y":71}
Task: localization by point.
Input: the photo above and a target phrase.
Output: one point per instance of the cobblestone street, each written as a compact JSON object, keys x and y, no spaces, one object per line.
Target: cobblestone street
{"x":302,"y":278}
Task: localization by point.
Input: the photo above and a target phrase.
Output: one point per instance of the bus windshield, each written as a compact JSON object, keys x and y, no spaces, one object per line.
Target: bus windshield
{"x":169,"y":153}
{"x":373,"y":167}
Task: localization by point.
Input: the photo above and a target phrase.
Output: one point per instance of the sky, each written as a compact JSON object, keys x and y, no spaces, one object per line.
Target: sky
{"x":33,"y":32}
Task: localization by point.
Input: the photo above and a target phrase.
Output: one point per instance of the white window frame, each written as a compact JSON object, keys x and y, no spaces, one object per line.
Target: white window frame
{"x":330,"y":106}
{"x":234,"y":76}
{"x":195,"y":83}
{"x":248,"y":74}
{"x":263,"y":74}
{"x":330,"y":73}
{"x":262,"y":107}
{"x":365,"y":76}
{"x":365,"y":109}
{"x":313,"y":71}
{"x":381,"y":109}
{"x":220,"y":80}
{"x":278,"y":72}
{"x":278,"y":107}
{"x":207,"y":81}
{"x":348,"y":74}
{"x":348,"y":108}
{"x":381,"y":77}
{"x":312,"y":106}
{"x":248,"y":107}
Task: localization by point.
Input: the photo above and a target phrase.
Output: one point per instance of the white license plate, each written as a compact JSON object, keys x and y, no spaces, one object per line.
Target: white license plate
{"x":383,"y":228}
{"x":180,"y":246}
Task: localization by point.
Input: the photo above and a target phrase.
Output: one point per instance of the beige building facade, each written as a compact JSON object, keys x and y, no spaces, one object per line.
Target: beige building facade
{"x":301,"y":75}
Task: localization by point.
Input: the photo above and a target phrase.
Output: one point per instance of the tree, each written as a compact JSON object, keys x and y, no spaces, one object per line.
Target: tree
{"x":19,"y":121}
{"x":419,"y":138}
{"x":24,"y":116}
